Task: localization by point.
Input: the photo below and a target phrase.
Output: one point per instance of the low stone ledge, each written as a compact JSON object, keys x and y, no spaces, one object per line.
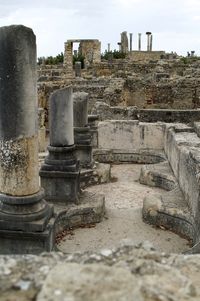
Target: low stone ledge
{"x":158,"y":175}
{"x":171,"y":212}
{"x":90,"y":210}
{"x":144,"y":156}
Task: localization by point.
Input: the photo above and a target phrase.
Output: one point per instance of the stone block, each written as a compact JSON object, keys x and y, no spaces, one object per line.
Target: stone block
{"x":122,"y":134}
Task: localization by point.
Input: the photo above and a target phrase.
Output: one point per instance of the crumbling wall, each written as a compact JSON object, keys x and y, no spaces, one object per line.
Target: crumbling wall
{"x":145,"y":55}
{"x":91,"y":50}
{"x":125,"y":273}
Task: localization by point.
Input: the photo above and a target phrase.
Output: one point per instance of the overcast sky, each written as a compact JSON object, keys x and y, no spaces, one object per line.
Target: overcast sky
{"x":175,"y":24}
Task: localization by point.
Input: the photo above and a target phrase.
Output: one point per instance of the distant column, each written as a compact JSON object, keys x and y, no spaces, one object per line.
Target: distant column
{"x":124,"y":42}
{"x":151,"y":42}
{"x":131,"y":40}
{"x":68,"y":59}
{"x":148,"y":40}
{"x":77,"y":68}
{"x":108,"y":47}
{"x":139,"y":41}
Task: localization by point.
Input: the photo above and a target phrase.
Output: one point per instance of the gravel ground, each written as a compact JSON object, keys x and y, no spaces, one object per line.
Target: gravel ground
{"x":124,"y":197}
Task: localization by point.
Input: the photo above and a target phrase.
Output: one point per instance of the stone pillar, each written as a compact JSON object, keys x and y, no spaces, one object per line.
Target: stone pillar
{"x":120,"y":46}
{"x":24,"y":215}
{"x":148,"y":40}
{"x":41,"y":130}
{"x":124,"y":42}
{"x":108,"y":47}
{"x":60,"y":175}
{"x":139,"y":41}
{"x":92,"y":121}
{"x":77,"y":69}
{"x":82,"y":133}
{"x":131,"y":40}
{"x":151,"y":42}
{"x":68,"y":60}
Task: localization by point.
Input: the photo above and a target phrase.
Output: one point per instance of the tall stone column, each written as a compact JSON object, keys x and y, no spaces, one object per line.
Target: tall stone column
{"x":131,"y":41}
{"x":151,"y":42}
{"x":148,"y":40}
{"x":60,"y":175}
{"x":68,"y":60}
{"x":24,"y":215}
{"x":108,"y":47}
{"x":139,"y":41}
{"x":82,"y":133}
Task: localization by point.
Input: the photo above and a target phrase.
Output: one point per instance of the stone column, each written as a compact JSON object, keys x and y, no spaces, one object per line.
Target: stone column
{"x":131,"y":40}
{"x":68,"y":60}
{"x":60,"y":175}
{"x":82,"y":133}
{"x":108,"y":47}
{"x":151,"y":42}
{"x":148,"y":40}
{"x":77,"y":69}
{"x":92,"y":122}
{"x":24,"y":214}
{"x":139,"y":41}
{"x":124,"y":42}
{"x":41,"y":130}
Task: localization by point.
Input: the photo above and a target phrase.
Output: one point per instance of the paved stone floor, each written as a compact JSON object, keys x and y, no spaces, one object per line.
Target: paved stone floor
{"x":123,"y":219}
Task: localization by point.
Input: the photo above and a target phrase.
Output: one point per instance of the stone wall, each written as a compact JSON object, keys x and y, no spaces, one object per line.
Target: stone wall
{"x":145,"y":55}
{"x":91,"y":50}
{"x":130,"y":135}
{"x":106,"y":112}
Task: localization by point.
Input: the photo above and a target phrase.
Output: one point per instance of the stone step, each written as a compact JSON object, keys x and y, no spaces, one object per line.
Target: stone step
{"x":158,"y":175}
{"x":170,"y":210}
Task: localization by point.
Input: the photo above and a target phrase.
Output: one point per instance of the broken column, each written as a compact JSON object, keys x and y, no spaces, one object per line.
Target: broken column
{"x":77,"y":67}
{"x":24,"y":214}
{"x":68,"y":59}
{"x":82,"y":133}
{"x":124,"y":42}
{"x":60,"y":175}
{"x":139,"y":41}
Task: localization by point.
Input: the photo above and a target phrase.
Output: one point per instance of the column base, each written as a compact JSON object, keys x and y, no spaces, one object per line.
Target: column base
{"x":84,"y":155}
{"x":61,"y":187}
{"x":26,"y":224}
{"x":20,"y":242}
{"x":60,"y":175}
{"x":82,"y":138}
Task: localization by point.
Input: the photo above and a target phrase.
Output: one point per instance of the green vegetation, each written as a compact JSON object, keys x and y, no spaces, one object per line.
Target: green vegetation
{"x":189,"y":59}
{"x":50,"y":60}
{"x":115,"y":54}
{"x":58,"y":59}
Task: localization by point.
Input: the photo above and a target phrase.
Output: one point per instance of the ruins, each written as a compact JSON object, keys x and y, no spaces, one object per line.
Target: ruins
{"x":140,"y":109}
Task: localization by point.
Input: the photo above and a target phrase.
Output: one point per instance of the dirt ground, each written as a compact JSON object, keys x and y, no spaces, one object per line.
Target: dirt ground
{"x":123,"y":220}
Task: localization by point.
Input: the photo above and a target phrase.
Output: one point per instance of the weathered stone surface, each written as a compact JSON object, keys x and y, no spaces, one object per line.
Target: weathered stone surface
{"x":132,"y":156}
{"x":90,"y":210}
{"x":102,"y":173}
{"x":61,"y":118}
{"x":127,"y":273}
{"x":170,"y":211}
{"x":94,"y":282}
{"x":158,"y":175}
{"x":117,"y":134}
